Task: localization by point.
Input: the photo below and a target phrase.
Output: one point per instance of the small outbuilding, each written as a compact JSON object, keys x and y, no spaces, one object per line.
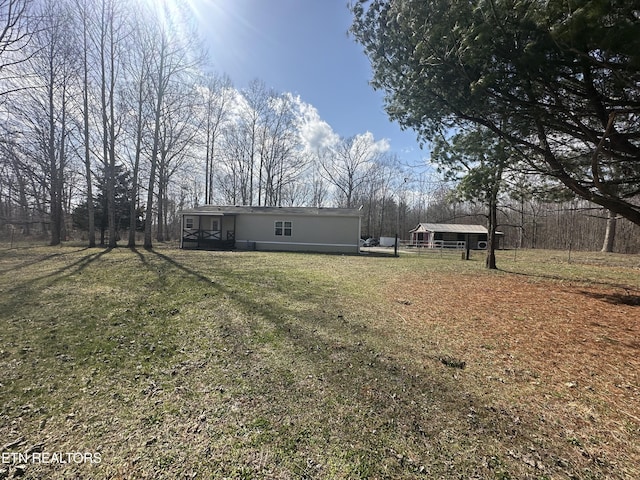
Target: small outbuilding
{"x":449,"y":235}
{"x":333,"y":230}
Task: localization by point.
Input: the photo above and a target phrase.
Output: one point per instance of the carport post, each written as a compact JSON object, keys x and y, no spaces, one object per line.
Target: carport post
{"x":466,"y":247}
{"x":395,"y":247}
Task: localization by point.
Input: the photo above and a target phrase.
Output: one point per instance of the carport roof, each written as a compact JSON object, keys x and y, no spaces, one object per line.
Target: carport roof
{"x":449,"y":228}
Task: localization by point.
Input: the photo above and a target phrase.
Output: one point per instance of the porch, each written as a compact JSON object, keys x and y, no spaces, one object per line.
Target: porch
{"x":207,"y":239}
{"x":211,"y":231}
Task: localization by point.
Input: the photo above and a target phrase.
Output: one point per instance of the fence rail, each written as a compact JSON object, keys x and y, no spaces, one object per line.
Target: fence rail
{"x":437,"y":245}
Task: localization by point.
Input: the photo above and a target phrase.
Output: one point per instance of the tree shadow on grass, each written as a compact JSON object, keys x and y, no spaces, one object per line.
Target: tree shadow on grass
{"x":40,"y":258}
{"x":141,"y":257}
{"x":393,"y":416}
{"x":15,"y":296}
{"x":301,"y":381}
{"x":627,"y":298}
{"x":174,"y":263}
{"x":561,"y":278}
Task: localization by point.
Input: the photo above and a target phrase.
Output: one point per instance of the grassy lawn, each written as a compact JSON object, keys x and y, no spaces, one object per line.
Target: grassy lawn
{"x":186,"y":364}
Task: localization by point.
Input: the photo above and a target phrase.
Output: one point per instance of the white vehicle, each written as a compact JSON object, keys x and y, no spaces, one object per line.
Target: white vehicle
{"x":387,"y":241}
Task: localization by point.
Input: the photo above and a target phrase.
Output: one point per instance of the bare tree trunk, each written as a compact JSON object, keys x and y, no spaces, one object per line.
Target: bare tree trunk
{"x":55,"y":161}
{"x":54,"y":196}
{"x":62,"y":163}
{"x":85,"y":119}
{"x":521,"y":226}
{"x":494,"y":191}
{"x":208,"y":168}
{"x":161,"y":195}
{"x":140,"y":67}
{"x":491,"y":238}
{"x":610,"y":234}
{"x":148,"y":242}
{"x":216,"y":101}
{"x":22,"y":191}
{"x":175,"y":65}
{"x":133,"y":199}
{"x":107,"y":84}
{"x":109,"y":126}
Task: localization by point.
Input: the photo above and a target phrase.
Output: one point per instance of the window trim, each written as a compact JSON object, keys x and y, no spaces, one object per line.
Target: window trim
{"x":283,"y":228}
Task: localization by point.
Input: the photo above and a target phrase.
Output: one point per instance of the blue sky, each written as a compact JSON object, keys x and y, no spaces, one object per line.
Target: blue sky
{"x":302,"y":47}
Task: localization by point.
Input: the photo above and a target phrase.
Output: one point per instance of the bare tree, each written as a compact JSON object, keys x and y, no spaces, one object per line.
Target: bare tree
{"x":243,"y":140}
{"x":111,"y":35}
{"x":217,"y":96}
{"x":177,"y":135}
{"x":377,"y":196}
{"x":16,"y":30}
{"x":15,"y":193}
{"x":176,"y":57}
{"x":280,"y":163}
{"x":137,"y":98}
{"x":231,"y":178}
{"x":320,"y":190}
{"x":349,"y":166}
{"x":46,"y":112}
{"x":82,"y":8}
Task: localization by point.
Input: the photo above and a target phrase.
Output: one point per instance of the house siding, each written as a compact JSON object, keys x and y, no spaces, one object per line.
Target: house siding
{"x":308,"y":233}
{"x":254,"y":228}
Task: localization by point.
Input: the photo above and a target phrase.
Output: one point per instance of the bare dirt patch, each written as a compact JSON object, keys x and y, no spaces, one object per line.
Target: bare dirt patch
{"x":567,"y":352}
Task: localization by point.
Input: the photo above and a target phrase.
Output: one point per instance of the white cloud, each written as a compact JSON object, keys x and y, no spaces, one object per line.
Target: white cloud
{"x":315,"y":133}
{"x":239,"y":105}
{"x":374,"y":146}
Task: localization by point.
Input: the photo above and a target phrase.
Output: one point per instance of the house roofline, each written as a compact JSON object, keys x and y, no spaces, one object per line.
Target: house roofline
{"x":261,"y":210}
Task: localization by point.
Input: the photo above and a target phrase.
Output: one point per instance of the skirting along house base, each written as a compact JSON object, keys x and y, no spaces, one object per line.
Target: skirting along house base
{"x":332,"y":230}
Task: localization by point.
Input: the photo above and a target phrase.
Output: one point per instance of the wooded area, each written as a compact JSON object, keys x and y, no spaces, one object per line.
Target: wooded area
{"x":548,"y":89}
{"x":111,"y":122}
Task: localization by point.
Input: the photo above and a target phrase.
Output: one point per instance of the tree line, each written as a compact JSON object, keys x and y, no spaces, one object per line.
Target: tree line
{"x":525,"y":217}
{"x":507,"y":87}
{"x":111,"y":123}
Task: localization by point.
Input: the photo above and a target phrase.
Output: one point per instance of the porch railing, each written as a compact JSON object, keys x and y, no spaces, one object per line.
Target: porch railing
{"x":197,"y":238}
{"x":195,"y":235}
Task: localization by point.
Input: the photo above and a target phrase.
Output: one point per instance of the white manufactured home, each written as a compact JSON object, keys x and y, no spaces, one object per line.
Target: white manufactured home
{"x":332,"y":230}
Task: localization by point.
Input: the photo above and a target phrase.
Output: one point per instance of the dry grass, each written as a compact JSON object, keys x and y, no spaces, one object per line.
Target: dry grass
{"x":565,"y":353}
{"x":175,"y":364}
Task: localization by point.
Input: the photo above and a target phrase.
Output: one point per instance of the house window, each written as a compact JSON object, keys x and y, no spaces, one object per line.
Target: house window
{"x":215,"y":225}
{"x":283,"y":228}
{"x":188,"y":223}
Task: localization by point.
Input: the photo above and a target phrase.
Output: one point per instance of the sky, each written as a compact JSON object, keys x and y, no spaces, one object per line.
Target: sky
{"x":302,"y":47}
